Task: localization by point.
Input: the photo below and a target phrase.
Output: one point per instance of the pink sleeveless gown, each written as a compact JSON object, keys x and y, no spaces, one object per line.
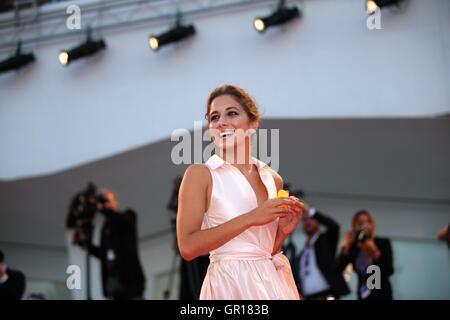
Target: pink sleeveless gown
{"x":243,"y":268}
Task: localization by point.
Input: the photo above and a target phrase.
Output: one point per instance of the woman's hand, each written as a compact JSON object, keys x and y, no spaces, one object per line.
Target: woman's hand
{"x":288,"y":223}
{"x":270,"y":210}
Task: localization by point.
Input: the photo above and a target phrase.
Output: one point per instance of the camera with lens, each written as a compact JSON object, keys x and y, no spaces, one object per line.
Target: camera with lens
{"x":361,"y":234}
{"x":82,"y":210}
{"x":298,"y":193}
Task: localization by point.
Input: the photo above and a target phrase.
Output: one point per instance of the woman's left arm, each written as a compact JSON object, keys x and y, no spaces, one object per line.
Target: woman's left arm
{"x":287,"y":224}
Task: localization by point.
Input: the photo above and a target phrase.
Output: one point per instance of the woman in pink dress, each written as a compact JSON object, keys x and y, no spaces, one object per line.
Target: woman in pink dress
{"x":228,"y":207}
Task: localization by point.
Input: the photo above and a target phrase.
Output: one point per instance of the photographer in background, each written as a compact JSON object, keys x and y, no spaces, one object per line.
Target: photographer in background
{"x":315,"y":270}
{"x":122,"y":274}
{"x":362,"y":249}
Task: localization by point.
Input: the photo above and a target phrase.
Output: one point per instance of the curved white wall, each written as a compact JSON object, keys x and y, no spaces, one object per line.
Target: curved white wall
{"x":328,"y":64}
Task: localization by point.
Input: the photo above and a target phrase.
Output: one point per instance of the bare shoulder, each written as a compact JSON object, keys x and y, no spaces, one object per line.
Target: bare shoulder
{"x":278,"y":179}
{"x":197,"y":174}
{"x":196,"y":188}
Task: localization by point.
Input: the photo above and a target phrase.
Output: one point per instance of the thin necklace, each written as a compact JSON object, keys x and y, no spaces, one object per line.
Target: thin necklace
{"x":247,"y":172}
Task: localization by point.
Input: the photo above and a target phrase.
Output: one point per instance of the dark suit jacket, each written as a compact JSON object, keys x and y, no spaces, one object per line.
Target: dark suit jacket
{"x":14,"y":287}
{"x":325,"y":249}
{"x":385,"y":262}
{"x":119,"y":233}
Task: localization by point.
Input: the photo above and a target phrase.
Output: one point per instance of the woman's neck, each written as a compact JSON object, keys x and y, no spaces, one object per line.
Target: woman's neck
{"x":243,"y":160}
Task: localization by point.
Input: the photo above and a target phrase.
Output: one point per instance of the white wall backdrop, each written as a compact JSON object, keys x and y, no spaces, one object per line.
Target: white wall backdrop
{"x":328,"y":64}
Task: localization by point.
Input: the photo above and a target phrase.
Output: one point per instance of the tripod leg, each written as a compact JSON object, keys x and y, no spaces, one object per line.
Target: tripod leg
{"x":171,"y":276}
{"x":88,"y":276}
{"x":88,"y":234}
{"x":194,"y":278}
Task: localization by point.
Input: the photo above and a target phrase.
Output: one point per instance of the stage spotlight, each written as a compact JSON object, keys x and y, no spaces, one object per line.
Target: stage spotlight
{"x":280,"y":16}
{"x":175,"y":34}
{"x":88,"y":48}
{"x":372,"y":6}
{"x":17,"y":61}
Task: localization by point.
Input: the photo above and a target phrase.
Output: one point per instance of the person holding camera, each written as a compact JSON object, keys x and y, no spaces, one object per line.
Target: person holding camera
{"x":122,"y":274}
{"x":315,"y":269}
{"x":363,"y":249}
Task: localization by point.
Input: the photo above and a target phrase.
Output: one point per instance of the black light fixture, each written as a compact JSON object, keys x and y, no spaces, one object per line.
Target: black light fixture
{"x":17,"y":61}
{"x":281,"y":15}
{"x":177,"y":33}
{"x":372,"y":6}
{"x":87,"y":48}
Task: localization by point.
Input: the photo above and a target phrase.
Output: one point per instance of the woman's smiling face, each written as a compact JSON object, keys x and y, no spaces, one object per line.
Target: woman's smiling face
{"x":229,"y":123}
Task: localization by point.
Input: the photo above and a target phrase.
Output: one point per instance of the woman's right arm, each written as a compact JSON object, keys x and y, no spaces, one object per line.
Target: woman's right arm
{"x":192,"y":202}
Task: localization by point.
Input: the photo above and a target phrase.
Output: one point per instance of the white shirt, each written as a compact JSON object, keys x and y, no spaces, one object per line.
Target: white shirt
{"x":312,"y":279}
